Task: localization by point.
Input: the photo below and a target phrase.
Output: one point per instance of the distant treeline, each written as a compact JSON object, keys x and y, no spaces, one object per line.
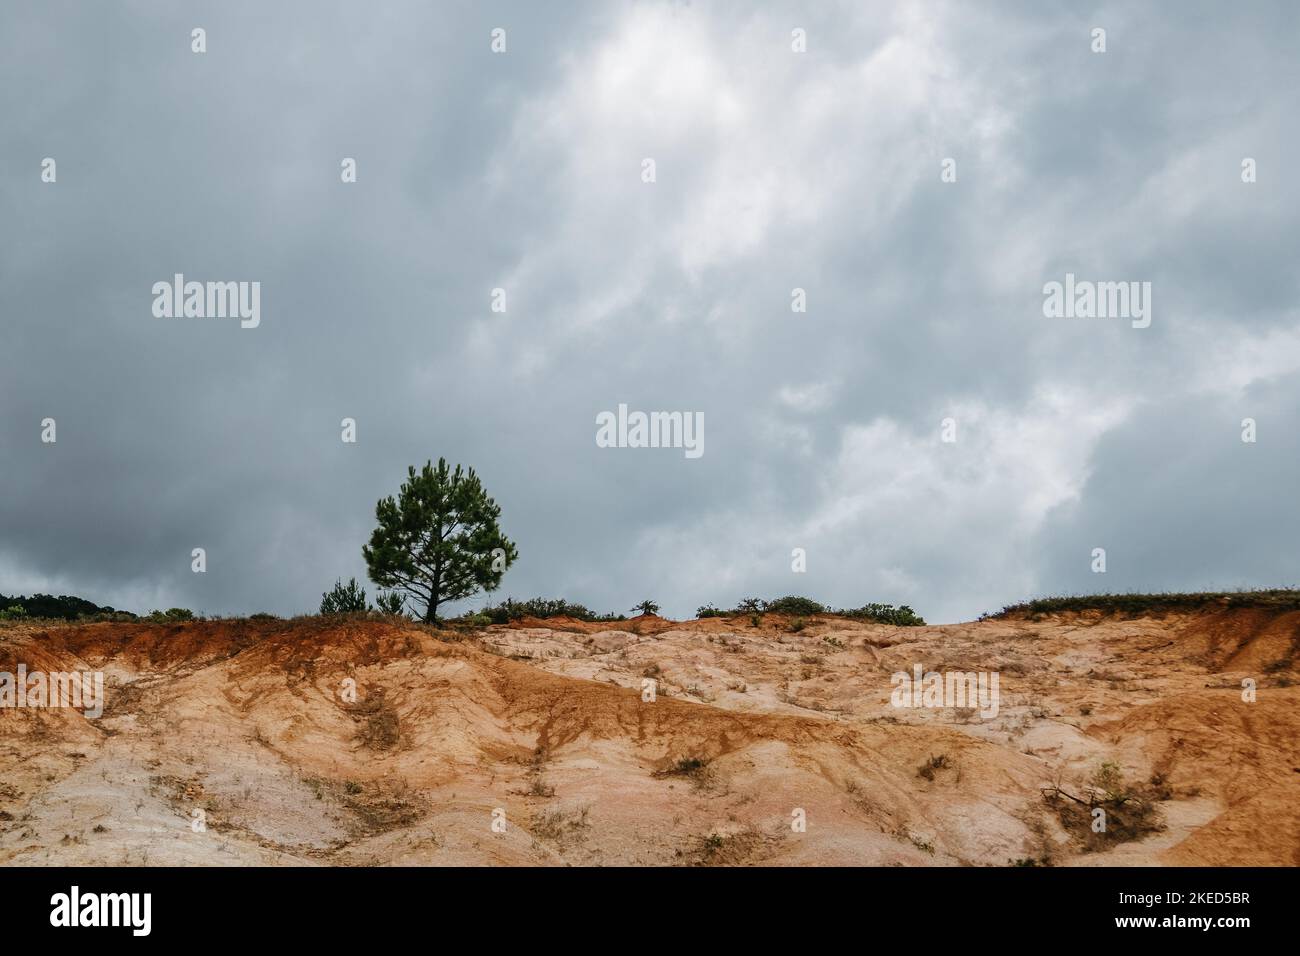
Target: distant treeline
{"x":512,"y":610}
{"x":1277,"y":599}
{"x":64,"y":607}
{"x":68,"y":608}
{"x":792,"y":604}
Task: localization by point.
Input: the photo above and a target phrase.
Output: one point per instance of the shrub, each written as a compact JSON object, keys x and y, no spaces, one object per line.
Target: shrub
{"x":887,"y":614}
{"x":792,"y":604}
{"x":171,"y":615}
{"x":512,"y":610}
{"x":1129,"y":813}
{"x":802,"y":607}
{"x":13,"y":613}
{"x":343,"y":598}
{"x":390,"y":602}
{"x":934,"y":763}
{"x":646,"y":607}
{"x":694,"y":767}
{"x":1280,"y":599}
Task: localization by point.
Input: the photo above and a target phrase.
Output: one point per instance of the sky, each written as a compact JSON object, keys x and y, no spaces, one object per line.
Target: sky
{"x":919,"y":170}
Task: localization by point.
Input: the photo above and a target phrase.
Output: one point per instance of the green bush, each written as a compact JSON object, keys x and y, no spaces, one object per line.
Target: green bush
{"x":902,"y":616}
{"x":390,"y":602}
{"x":802,"y":607}
{"x":13,"y":613}
{"x":172,"y":615}
{"x":343,"y":598}
{"x":512,"y":610}
{"x":792,"y":604}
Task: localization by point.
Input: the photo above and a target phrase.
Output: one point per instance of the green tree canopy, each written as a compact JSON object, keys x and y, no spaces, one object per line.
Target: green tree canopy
{"x":439,"y":540}
{"x":343,"y":598}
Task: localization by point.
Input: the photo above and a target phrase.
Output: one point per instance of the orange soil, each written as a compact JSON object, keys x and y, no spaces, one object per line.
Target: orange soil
{"x":542,"y":727}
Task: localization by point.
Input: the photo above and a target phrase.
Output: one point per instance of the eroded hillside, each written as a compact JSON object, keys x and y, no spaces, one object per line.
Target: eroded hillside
{"x":243,"y":742}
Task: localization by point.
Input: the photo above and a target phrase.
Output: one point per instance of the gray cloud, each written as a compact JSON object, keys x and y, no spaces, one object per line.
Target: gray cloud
{"x":775,"y":171}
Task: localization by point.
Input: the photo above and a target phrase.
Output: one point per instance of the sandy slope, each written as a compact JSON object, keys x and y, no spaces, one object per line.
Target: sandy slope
{"x":543,"y":727}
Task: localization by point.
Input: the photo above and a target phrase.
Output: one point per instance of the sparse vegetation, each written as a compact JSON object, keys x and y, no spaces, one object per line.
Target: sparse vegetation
{"x":724,"y":849}
{"x":1126,"y":813}
{"x":922,"y":844}
{"x":1277,"y":599}
{"x":792,"y":604}
{"x":802,"y":608}
{"x":933,"y":764}
{"x":685,"y":766}
{"x":380,"y":726}
{"x":390,"y":602}
{"x":343,"y":598}
{"x":695,"y":769}
{"x":512,"y":610}
{"x":561,"y":825}
{"x":902,"y":616}
{"x":173,"y":615}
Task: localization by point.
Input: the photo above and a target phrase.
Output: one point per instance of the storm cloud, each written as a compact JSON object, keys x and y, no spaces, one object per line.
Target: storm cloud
{"x":775,"y":170}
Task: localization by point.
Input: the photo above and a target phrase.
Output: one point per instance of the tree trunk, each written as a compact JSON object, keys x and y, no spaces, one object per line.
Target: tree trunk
{"x":431,"y":612}
{"x":435,"y":588}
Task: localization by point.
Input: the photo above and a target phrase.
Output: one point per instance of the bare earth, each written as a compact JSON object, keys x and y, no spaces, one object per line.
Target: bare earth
{"x":543,"y":729}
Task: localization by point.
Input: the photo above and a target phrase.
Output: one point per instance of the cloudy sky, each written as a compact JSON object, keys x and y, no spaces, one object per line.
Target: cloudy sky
{"x":774,"y":170}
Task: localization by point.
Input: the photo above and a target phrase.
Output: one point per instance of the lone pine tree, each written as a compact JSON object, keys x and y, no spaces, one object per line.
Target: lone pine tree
{"x":439,"y":540}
